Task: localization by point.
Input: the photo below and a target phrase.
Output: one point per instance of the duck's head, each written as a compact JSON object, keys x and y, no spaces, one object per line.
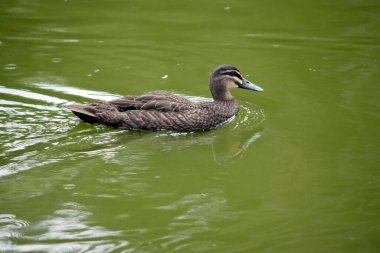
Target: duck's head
{"x":226,"y":77}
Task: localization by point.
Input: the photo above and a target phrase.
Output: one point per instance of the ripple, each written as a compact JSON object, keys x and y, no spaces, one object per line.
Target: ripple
{"x":10,"y":228}
{"x":10,"y":221}
{"x":250,"y":115}
{"x":10,"y":66}
{"x":53,"y":233}
{"x":56,"y":60}
{"x":70,"y":40}
{"x":295,"y":42}
{"x":102,"y":246}
{"x":197,"y":212}
{"x":199,"y":246}
{"x":19,"y":166}
{"x":98,"y":95}
{"x":69,"y":186}
{"x":29,"y":131}
{"x":31,"y":95}
{"x":21,"y":104}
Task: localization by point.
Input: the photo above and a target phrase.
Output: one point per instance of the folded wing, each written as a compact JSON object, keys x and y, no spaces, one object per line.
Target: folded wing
{"x":147,"y":112}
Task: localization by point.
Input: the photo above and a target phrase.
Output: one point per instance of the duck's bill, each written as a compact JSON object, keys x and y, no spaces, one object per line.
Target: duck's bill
{"x":250,"y":86}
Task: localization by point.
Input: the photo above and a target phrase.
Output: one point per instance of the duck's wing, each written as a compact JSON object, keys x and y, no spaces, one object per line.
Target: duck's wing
{"x":136,"y":112}
{"x":156,"y":120}
{"x":88,"y":113}
{"x":128,"y":103}
{"x":159,"y":102}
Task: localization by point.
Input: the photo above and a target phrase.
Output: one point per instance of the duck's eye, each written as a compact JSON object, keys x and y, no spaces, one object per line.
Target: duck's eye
{"x":235,"y":76}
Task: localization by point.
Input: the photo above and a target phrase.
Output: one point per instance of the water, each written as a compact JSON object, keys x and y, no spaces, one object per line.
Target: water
{"x":296,"y":171}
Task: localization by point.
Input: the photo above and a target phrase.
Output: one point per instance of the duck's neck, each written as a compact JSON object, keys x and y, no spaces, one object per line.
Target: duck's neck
{"x":221,"y":92}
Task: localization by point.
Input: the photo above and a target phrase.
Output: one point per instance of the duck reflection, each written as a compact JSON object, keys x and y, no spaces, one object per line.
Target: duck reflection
{"x":226,"y":146}
{"x":230,"y":147}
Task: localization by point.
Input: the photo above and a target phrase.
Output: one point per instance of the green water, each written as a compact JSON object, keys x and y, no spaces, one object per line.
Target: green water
{"x":296,"y":171}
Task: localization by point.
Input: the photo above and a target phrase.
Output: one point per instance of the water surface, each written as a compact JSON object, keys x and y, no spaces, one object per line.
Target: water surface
{"x":296,"y":171}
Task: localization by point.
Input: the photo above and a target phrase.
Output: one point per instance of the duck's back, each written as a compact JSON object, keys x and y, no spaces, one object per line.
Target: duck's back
{"x":159,"y":111}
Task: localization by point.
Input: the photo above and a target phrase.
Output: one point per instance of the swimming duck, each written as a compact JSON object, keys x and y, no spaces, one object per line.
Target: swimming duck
{"x":164,"y":111}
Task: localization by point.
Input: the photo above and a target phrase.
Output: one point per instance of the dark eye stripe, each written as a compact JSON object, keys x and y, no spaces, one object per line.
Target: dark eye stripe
{"x":233,"y":73}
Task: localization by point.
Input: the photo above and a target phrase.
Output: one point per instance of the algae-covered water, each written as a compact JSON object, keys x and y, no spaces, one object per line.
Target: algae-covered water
{"x":296,"y":171}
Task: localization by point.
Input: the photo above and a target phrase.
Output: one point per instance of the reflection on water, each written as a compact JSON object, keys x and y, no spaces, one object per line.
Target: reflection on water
{"x":10,"y":228}
{"x":99,"y":95}
{"x":65,"y":230}
{"x":31,"y":95}
{"x":232,"y":145}
{"x":197,"y":213}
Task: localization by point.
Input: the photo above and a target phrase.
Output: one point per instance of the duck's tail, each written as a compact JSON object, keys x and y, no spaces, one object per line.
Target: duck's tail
{"x":84,"y":112}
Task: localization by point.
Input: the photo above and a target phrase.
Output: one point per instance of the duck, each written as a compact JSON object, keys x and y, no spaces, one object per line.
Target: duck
{"x":167,"y":111}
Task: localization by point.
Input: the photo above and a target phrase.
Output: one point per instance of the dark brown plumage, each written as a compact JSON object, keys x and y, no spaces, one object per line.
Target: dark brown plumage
{"x":164,"y":111}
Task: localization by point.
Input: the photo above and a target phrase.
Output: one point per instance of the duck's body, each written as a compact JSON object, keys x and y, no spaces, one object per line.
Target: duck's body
{"x":164,"y":111}
{"x":157,"y":112}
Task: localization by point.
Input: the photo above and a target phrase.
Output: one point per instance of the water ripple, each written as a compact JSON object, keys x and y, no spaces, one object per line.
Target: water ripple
{"x":198,"y":211}
{"x":10,"y":227}
{"x":98,"y":95}
{"x":66,"y":230}
{"x":31,"y":95}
